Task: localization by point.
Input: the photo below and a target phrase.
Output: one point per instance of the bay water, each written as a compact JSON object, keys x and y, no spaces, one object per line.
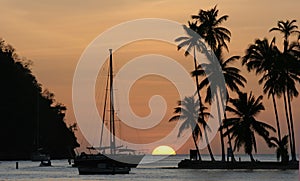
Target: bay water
{"x":161,"y":170}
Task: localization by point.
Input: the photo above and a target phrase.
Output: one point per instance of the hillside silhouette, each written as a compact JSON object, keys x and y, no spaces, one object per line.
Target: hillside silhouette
{"x":30,"y":118}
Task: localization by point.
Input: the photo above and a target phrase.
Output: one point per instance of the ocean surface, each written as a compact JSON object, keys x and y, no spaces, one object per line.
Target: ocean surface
{"x":161,"y":170}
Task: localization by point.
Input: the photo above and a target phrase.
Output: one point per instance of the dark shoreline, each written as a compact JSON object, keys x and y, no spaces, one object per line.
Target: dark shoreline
{"x":27,"y":158}
{"x":196,"y":164}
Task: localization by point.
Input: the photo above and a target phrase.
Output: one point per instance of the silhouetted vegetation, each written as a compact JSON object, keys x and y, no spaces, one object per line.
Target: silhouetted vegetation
{"x":188,"y":111}
{"x":30,"y":118}
{"x":280,"y":74}
{"x":244,"y":124}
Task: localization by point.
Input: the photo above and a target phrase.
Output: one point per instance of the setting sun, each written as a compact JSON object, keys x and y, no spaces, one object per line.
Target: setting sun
{"x":163,"y":150}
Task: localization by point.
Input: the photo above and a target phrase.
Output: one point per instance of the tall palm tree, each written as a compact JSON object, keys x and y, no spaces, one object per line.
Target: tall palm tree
{"x":261,"y":57}
{"x":214,"y":35}
{"x":291,"y":67}
{"x":194,"y":43}
{"x":288,"y":28}
{"x":244,"y":126}
{"x":210,"y":29}
{"x":291,"y":62}
{"x":188,"y":111}
{"x":232,"y":77}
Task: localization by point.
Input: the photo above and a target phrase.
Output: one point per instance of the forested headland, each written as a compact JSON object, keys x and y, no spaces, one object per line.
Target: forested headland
{"x":30,"y":117}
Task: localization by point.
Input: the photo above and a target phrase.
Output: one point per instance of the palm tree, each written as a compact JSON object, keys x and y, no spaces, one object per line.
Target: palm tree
{"x":214,"y":35}
{"x":210,"y":29}
{"x":245,"y":125}
{"x":281,"y":148}
{"x":291,"y":61}
{"x":265,"y":58}
{"x":193,"y":43}
{"x":232,"y":77}
{"x":288,"y":28}
{"x":188,"y":111}
{"x":291,"y":67}
{"x":294,"y":48}
{"x":261,"y":57}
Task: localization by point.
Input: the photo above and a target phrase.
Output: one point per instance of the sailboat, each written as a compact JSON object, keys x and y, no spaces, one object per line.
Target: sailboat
{"x":119,"y":160}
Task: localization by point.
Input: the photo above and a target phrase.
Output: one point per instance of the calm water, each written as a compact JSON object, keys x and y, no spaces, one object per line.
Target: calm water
{"x":60,"y":170}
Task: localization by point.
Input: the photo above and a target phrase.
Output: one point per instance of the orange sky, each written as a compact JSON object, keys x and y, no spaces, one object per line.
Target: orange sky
{"x":53,"y":34}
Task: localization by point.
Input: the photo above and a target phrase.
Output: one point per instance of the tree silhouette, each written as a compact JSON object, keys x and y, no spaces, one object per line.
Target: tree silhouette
{"x":261,"y":57}
{"x":233,"y":79}
{"x":215,"y":36}
{"x":210,"y":29}
{"x":193,"y":43}
{"x":244,"y":125}
{"x":188,"y":111}
{"x":287,"y":28}
{"x":29,"y":117}
{"x":280,"y":72}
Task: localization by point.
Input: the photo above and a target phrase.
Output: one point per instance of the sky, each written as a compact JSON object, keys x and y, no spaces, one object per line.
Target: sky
{"x":54,"y":34}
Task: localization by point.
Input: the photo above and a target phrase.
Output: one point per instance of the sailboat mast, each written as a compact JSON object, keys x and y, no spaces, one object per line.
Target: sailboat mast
{"x":112,"y":112}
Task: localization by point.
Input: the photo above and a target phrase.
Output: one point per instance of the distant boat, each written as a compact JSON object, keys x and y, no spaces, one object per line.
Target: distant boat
{"x":44,"y":158}
{"x":120,"y":160}
{"x":45,"y":163}
{"x":38,"y":156}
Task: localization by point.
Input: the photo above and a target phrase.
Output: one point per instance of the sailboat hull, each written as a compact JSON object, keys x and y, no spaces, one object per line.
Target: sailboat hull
{"x":131,"y":161}
{"x":121,"y":160}
{"x":102,"y":164}
{"x":103,"y":170}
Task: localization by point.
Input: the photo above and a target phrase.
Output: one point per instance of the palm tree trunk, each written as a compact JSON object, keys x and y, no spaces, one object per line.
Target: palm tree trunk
{"x":251,"y":157}
{"x":208,"y":145}
{"x":293,"y":151}
{"x":229,"y":139}
{"x":292,"y":136}
{"x":196,"y":145}
{"x":276,"y":116}
{"x":220,"y":130}
{"x":228,"y":136}
{"x":199,"y":97}
{"x":288,"y":121}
